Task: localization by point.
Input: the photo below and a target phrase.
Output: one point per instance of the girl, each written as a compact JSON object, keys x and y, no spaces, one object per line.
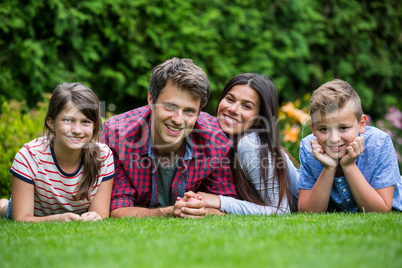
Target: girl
{"x":66,"y":175}
{"x":266,"y":179}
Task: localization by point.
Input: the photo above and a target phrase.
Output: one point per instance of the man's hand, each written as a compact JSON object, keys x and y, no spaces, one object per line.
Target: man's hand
{"x":320,"y":154}
{"x":355,"y":148}
{"x":190,"y":206}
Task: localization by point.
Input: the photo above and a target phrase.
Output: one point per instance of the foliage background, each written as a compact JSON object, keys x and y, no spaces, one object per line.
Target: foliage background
{"x":330,"y":240}
{"x":112,"y":46}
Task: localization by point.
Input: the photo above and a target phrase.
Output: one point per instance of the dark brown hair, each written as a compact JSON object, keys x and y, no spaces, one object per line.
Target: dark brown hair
{"x":268,"y":133}
{"x":184,"y":74}
{"x":86,"y":101}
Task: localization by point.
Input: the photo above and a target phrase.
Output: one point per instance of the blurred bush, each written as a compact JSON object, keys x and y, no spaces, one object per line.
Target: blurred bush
{"x":112,"y":46}
{"x":293,"y":124}
{"x":392,"y":124}
{"x":19,"y":126}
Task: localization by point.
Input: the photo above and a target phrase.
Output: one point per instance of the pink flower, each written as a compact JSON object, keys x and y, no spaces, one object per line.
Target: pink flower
{"x":394,"y":116}
{"x":368,"y":120}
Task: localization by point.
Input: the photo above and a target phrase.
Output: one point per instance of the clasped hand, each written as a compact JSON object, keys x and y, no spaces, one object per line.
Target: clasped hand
{"x":190,"y":206}
{"x":87,"y":216}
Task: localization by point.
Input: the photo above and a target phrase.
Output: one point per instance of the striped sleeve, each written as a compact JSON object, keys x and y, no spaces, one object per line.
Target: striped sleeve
{"x":24,"y":166}
{"x":107,"y":169}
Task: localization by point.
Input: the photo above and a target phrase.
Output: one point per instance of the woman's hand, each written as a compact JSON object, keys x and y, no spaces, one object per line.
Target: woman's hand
{"x":212,"y":200}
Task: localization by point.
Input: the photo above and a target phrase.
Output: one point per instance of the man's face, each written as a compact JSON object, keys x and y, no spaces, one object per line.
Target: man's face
{"x":173,"y":117}
{"x":335,"y":130}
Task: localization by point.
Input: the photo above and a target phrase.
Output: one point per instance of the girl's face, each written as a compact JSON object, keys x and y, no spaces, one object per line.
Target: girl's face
{"x":238,"y":110}
{"x":72,"y":129}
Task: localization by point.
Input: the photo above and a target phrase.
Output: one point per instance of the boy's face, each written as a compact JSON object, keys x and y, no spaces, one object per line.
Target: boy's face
{"x":335,"y":130}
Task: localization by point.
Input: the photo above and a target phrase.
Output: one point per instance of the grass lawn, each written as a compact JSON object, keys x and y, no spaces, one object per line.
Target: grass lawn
{"x":297,"y":240}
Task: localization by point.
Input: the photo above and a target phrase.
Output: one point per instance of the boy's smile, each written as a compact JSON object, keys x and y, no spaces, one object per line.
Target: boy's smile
{"x":335,"y":130}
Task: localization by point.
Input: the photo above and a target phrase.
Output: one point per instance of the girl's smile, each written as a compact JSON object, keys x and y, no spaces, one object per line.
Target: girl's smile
{"x":72,"y":129}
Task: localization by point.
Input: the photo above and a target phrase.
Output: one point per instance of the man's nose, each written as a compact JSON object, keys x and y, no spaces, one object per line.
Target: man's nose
{"x":177,"y":118}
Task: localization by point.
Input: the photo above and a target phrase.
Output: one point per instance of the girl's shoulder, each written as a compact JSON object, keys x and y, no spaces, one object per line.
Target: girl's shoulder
{"x":104,"y":149}
{"x":40,"y":144}
{"x":36,"y":150}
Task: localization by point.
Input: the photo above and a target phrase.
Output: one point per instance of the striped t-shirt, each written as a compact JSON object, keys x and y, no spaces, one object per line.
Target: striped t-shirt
{"x":36,"y":164}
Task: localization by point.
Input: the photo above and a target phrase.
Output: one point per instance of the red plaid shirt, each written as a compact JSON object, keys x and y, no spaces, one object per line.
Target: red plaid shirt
{"x":203,"y":164}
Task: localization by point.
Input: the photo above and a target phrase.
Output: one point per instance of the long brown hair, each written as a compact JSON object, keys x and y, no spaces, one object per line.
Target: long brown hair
{"x":88,"y":103}
{"x":268,"y":133}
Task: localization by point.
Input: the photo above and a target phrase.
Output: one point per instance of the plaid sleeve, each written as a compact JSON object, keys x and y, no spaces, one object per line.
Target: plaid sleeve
{"x":123,"y":193}
{"x":220,"y":181}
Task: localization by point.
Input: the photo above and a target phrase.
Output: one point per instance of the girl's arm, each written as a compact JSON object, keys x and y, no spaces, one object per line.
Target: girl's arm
{"x":100,"y":205}
{"x":23,"y":204}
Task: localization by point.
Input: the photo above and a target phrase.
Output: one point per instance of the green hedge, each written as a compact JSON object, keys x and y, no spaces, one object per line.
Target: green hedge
{"x":18,"y":127}
{"x":112,"y":45}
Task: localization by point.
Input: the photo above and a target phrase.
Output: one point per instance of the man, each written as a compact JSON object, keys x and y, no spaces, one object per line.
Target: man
{"x":168,"y":147}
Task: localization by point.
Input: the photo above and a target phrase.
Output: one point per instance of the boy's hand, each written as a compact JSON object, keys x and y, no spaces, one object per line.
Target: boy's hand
{"x":321,"y":155}
{"x":355,"y":148}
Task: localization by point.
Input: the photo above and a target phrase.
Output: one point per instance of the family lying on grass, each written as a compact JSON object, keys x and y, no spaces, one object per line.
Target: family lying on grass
{"x":170,"y":159}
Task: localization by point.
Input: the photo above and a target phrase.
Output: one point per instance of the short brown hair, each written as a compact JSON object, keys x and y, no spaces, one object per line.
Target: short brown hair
{"x":184,"y":74}
{"x":334,"y":95}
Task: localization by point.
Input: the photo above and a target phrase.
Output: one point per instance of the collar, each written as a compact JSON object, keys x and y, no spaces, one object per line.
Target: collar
{"x":188,"y":151}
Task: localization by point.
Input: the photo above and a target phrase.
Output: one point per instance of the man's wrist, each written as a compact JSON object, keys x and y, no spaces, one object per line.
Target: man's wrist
{"x":166,"y":211}
{"x":213,"y":211}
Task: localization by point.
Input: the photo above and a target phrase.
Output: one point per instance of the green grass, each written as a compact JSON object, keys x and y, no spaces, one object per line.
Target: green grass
{"x":297,"y":240}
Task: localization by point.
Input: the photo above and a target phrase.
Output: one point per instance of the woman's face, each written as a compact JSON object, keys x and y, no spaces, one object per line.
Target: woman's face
{"x":238,"y":110}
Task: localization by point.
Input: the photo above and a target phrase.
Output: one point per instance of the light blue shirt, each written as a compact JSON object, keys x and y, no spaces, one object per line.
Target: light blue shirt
{"x":249,"y":158}
{"x":378,"y":164}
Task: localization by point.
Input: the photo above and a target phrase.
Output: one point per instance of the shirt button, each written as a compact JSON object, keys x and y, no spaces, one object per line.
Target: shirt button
{"x":340,"y":180}
{"x":348,"y":200}
{"x":344,"y":190}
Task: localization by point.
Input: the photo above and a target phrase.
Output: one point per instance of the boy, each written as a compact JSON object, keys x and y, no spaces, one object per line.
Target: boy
{"x":346,"y":165}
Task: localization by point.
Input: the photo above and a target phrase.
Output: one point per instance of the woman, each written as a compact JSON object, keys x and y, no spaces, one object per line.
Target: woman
{"x":266,"y":179}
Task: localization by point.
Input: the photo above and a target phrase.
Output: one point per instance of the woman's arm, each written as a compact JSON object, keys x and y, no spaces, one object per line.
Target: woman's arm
{"x":231,"y":205}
